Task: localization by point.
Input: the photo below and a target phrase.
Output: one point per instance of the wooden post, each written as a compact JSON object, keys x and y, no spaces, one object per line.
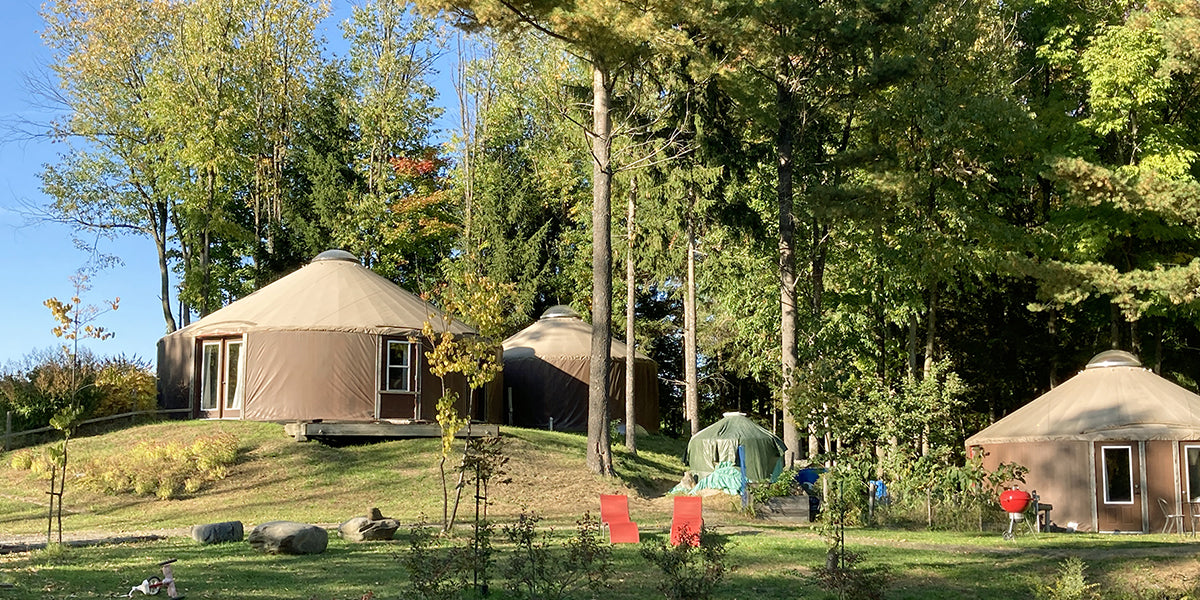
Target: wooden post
{"x":7,"y":429}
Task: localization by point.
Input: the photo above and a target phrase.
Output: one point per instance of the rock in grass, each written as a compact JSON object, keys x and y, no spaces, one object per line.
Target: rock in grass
{"x":361,"y":529}
{"x":218,"y":533}
{"x":288,"y":537}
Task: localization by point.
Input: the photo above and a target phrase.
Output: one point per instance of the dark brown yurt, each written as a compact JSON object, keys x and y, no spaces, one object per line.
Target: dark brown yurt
{"x":547,"y":371}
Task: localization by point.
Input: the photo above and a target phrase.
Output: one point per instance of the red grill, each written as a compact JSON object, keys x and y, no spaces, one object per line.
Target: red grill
{"x":1014,"y":501}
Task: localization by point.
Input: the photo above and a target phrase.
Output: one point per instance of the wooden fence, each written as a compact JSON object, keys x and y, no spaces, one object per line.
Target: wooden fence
{"x":10,"y":435}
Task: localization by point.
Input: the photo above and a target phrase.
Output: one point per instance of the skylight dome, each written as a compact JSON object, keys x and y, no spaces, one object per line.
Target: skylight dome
{"x":1113,"y":358}
{"x":336,"y":255}
{"x":560,"y":311}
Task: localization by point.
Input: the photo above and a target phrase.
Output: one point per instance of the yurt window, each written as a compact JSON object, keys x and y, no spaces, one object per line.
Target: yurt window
{"x":399,"y":370}
{"x":1118,"y":474}
{"x":1192,"y":455}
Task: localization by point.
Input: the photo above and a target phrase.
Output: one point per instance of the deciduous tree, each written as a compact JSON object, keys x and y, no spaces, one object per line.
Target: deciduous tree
{"x":608,"y":35}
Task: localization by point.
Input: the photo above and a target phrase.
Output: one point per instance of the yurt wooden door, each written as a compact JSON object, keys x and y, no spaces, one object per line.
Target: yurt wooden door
{"x":400,"y":387}
{"x":1120,"y":497}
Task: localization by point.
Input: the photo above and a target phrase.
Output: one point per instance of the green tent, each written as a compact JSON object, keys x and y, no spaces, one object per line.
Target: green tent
{"x":718,"y":443}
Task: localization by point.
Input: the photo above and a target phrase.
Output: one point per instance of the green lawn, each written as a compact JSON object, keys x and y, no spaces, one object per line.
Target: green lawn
{"x":276,"y":478}
{"x":768,"y":563}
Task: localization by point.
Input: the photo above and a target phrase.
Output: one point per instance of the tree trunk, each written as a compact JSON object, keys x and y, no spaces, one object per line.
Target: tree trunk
{"x":880,"y":313}
{"x":1135,"y":339}
{"x":816,"y":278}
{"x":599,"y":450}
{"x":691,"y":393}
{"x":467,"y":126}
{"x":160,"y":214}
{"x":205,"y":247}
{"x":787,"y":270}
{"x":50,"y":509}
{"x":1158,"y":351}
{"x":186,"y":256}
{"x":931,"y":332}
{"x":1114,"y":323}
{"x":913,"y":326}
{"x":630,"y":340}
{"x":1054,"y":343}
{"x":930,"y":340}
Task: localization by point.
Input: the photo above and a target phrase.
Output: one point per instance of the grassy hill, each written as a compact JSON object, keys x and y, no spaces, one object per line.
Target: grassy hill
{"x":275,"y":477}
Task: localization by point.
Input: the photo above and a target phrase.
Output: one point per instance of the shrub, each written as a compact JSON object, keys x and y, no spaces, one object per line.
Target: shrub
{"x":784,"y":485}
{"x":689,"y":572}
{"x":166,"y":470}
{"x":847,"y":580}
{"x":41,"y":464}
{"x":537,"y":570}
{"x":40,"y":385}
{"x":124,"y":385}
{"x":434,"y":572}
{"x":213,"y":454}
{"x":192,"y":485}
{"x":935,"y":491}
{"x":21,"y":460}
{"x":1070,"y":584}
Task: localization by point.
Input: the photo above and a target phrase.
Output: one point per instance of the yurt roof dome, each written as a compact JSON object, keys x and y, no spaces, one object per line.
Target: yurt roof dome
{"x":336,"y":255}
{"x":560,"y":333}
{"x":1113,"y":358}
{"x":1113,"y":398}
{"x":561,"y":311}
{"x":334,"y":292}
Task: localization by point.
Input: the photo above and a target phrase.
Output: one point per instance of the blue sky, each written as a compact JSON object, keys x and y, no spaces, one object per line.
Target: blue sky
{"x":37,"y":259}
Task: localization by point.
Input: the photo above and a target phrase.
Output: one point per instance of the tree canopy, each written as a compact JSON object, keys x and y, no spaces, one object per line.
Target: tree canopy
{"x":895,"y":221}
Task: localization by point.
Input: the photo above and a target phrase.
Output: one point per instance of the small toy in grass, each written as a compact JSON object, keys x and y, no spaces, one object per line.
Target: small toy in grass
{"x":153,"y":584}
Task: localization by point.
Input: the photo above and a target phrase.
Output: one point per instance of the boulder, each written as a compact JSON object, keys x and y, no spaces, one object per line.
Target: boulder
{"x":372,"y":527}
{"x":288,"y":537}
{"x":218,"y":533}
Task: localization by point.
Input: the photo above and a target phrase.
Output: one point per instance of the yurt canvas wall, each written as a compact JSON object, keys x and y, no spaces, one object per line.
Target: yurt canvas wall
{"x":332,"y":341}
{"x":1105,"y":446}
{"x":547,"y":370}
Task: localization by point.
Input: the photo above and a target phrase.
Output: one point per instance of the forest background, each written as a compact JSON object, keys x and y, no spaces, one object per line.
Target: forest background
{"x":900,"y":220}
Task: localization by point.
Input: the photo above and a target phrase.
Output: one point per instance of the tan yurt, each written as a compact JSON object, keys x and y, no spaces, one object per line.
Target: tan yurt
{"x":332,"y":341}
{"x":1113,"y":449}
{"x":547,"y":370}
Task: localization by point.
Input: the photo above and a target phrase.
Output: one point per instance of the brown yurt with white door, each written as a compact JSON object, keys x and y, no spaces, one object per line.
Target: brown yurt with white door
{"x":332,"y":341}
{"x":1114,"y":449}
{"x":547,"y":369}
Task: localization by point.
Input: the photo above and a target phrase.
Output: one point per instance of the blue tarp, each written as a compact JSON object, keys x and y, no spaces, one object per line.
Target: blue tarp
{"x":725,"y":478}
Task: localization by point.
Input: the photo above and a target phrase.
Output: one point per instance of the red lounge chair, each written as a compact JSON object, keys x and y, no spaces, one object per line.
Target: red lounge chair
{"x":614,"y":514}
{"x":687,"y":520}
